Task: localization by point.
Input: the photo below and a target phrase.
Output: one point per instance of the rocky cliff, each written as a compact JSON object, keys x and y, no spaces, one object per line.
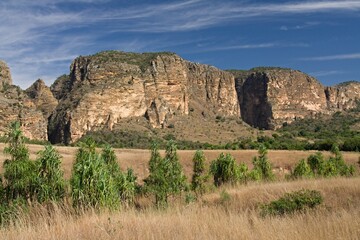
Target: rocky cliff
{"x":270,"y":97}
{"x":5,"y":76}
{"x":343,"y":96}
{"x":42,"y":97}
{"x":15,"y":105}
{"x":113,"y":90}
{"x":104,"y":88}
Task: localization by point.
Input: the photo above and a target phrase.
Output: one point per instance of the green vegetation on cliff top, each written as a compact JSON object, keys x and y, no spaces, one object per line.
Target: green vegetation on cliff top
{"x":143,"y":60}
{"x":343,"y":84}
{"x":240,"y":72}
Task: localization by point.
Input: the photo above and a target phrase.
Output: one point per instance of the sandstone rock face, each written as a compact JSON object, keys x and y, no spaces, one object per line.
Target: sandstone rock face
{"x":109,"y":86}
{"x":42,"y":97}
{"x":5,"y":75}
{"x":213,"y":89}
{"x":270,"y":97}
{"x":344,"y":96}
{"x":15,"y":105}
{"x":61,"y":87}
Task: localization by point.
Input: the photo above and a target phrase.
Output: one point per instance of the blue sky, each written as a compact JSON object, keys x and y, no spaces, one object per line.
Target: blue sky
{"x":39,"y":39}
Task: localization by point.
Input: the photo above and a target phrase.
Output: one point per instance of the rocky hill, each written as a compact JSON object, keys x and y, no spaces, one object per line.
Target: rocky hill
{"x":104,"y":89}
{"x":270,"y":97}
{"x":154,"y":95}
{"x":109,"y":86}
{"x":344,"y":96}
{"x":15,"y":105}
{"x":42,"y":97}
{"x":5,"y":76}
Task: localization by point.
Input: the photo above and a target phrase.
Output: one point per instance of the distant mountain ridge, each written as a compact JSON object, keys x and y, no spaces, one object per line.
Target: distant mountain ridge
{"x":104,"y":89}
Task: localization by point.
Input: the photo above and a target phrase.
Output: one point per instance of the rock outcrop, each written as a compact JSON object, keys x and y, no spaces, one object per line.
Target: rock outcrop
{"x":5,"y":75}
{"x":344,"y":96}
{"x":105,"y":90}
{"x":109,"y":86}
{"x":270,"y":97}
{"x":15,"y":105}
{"x":61,"y":87}
{"x":42,"y":97}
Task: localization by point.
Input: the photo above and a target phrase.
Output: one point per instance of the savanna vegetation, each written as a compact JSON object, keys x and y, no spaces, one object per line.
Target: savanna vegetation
{"x":341,"y":129}
{"x":35,"y":195}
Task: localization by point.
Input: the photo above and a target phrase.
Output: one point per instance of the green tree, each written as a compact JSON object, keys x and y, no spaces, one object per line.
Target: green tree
{"x":166,"y":177}
{"x":19,"y":171}
{"x":224,"y":169}
{"x":50,"y":180}
{"x":199,"y":177}
{"x":125,"y":182}
{"x":155,"y":158}
{"x":128,"y":187}
{"x":92,"y":183}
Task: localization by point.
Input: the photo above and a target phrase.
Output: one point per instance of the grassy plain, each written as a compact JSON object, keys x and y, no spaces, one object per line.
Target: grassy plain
{"x":230,"y":212}
{"x":212,"y":217}
{"x":282,"y":160}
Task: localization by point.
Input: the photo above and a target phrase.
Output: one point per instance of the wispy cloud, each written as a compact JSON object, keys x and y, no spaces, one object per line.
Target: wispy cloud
{"x":326,"y":73}
{"x":251,"y":46}
{"x":333,"y":57}
{"x":39,"y":38}
{"x":198,"y":14}
{"x":246,"y":46}
{"x":300,"y":26}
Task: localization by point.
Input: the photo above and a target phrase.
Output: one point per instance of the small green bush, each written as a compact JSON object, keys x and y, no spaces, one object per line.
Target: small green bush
{"x":242,"y":173}
{"x":293,"y":202}
{"x":333,"y":166}
{"x":302,"y":170}
{"x":262,"y":167}
{"x":224,"y":169}
{"x":316,"y":162}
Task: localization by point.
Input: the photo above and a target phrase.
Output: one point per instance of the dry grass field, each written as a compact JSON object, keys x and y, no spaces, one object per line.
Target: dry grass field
{"x":138,"y":159}
{"x":210,"y":218}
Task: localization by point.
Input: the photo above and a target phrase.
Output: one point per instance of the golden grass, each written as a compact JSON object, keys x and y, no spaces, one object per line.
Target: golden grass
{"x":211,"y":218}
{"x":138,"y":159}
